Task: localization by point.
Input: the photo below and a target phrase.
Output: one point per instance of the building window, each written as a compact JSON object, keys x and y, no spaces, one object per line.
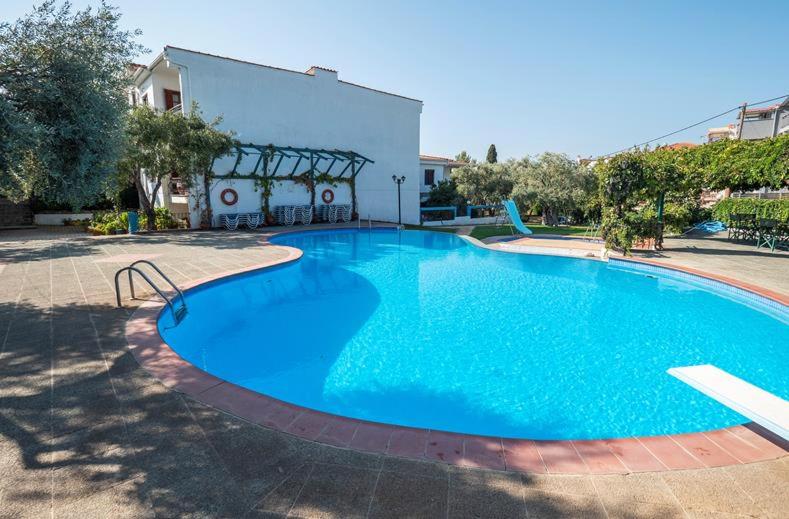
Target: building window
{"x":145,"y":100}
{"x":172,"y":98}
{"x":430,"y":177}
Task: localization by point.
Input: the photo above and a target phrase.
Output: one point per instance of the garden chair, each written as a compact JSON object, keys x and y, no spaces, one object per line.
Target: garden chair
{"x":767,"y":234}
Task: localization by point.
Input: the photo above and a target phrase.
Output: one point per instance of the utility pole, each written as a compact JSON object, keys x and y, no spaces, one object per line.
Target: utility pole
{"x":742,"y":120}
{"x":777,"y":121}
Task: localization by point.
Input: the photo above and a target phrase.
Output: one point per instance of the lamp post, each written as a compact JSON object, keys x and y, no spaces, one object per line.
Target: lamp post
{"x":398,"y":181}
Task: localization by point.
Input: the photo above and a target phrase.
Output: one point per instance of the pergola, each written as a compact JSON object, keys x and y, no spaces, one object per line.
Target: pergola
{"x":270,"y":157}
{"x":278,"y":163}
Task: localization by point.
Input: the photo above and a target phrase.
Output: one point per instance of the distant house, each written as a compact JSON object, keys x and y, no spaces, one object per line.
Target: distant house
{"x":721,"y":133}
{"x":433,"y":170}
{"x":679,"y":145}
{"x":758,"y":123}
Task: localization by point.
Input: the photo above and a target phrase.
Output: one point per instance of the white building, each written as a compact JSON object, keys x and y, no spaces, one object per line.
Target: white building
{"x":433,"y":170}
{"x":756,"y":123}
{"x":314,"y":109}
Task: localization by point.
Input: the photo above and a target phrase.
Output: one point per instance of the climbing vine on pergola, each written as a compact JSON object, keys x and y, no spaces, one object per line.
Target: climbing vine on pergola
{"x":312,"y":166}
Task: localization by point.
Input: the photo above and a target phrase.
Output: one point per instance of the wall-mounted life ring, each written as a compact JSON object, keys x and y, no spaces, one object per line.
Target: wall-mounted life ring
{"x":229,"y":196}
{"x":327,"y":196}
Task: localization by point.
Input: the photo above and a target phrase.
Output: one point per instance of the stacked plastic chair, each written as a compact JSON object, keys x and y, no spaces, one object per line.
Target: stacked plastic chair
{"x":229,"y":221}
{"x":304,"y":214}
{"x":344,"y":213}
{"x":253,"y":220}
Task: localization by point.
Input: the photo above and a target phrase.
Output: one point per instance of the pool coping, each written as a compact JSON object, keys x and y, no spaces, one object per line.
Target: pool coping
{"x":735,"y":445}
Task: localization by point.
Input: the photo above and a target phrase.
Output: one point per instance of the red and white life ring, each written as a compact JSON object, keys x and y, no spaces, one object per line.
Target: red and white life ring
{"x":229,"y":196}
{"x":327,"y":196}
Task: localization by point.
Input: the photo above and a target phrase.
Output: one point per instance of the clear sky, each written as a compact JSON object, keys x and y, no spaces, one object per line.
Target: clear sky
{"x":583,"y":78}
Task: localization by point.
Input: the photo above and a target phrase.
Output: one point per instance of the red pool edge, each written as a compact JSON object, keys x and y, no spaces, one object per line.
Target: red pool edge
{"x":735,"y":445}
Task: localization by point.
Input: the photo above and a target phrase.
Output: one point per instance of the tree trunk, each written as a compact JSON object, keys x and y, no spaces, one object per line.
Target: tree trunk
{"x":146,"y":203}
{"x":549,"y":217}
{"x":207,"y":217}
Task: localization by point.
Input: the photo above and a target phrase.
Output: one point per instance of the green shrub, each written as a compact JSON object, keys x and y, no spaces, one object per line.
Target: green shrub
{"x":762,"y":208}
{"x":164,"y":219}
{"x":676,"y":217}
{"x":622,"y":233}
{"x":108,"y":222}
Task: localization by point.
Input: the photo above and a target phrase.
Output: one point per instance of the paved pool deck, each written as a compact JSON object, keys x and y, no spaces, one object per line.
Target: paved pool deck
{"x":84,"y":431}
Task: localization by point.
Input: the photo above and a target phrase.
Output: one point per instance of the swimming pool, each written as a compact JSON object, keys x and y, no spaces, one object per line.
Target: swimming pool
{"x":423,"y":329}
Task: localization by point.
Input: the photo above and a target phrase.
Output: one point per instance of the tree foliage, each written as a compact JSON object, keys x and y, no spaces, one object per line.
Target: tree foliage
{"x":554,"y":182}
{"x":444,"y":193}
{"x":483,"y":183}
{"x":63,"y":84}
{"x":492,"y":157}
{"x":159,"y":145}
{"x":463,"y":156}
{"x":743,"y":165}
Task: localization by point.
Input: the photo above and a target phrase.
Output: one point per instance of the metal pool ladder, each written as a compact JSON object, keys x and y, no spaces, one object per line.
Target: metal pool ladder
{"x":178,"y":313}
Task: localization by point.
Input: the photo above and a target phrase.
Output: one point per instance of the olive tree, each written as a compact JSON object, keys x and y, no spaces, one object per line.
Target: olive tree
{"x":484,"y":183}
{"x":159,"y":145}
{"x":63,"y":85}
{"x":554,"y":182}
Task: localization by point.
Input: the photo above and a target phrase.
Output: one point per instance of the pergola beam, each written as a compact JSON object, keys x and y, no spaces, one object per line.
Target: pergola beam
{"x":274,"y":155}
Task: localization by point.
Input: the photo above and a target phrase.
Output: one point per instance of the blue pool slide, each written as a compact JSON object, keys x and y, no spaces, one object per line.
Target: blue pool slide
{"x":515,"y":217}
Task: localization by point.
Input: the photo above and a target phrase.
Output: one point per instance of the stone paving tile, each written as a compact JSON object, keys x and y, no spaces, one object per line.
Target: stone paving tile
{"x":626,"y":509}
{"x":423,"y":469}
{"x":544,"y":504}
{"x":560,"y":484}
{"x":119,"y":502}
{"x":476,"y":493}
{"x":399,"y":495}
{"x":336,"y":491}
{"x":767,"y":484}
{"x":711,"y":491}
{"x":281,"y":499}
{"x":640,"y":487}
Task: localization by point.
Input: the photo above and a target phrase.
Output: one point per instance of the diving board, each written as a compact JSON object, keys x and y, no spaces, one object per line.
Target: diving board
{"x":515,"y":217}
{"x":766,"y":409}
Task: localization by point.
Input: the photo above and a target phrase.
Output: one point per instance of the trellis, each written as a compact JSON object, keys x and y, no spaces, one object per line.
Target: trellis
{"x":317,"y":167}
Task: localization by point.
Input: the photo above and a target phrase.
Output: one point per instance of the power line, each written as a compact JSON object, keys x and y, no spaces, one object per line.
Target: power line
{"x":694,"y":125}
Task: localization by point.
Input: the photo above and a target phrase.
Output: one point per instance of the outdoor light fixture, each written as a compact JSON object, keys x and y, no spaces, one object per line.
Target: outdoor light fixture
{"x":398,"y":181}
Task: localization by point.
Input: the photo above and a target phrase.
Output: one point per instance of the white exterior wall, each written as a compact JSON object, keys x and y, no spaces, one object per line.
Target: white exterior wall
{"x":265,"y":105}
{"x":440,"y":174}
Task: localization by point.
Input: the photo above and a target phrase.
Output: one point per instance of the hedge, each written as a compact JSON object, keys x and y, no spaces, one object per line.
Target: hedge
{"x":777,"y":209}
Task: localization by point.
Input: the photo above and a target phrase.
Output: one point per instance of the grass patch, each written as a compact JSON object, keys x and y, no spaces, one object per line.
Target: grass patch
{"x":424,"y":228}
{"x":481,"y":232}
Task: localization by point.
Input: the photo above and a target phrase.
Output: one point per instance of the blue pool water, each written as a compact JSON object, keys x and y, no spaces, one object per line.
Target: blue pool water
{"x":423,"y":329}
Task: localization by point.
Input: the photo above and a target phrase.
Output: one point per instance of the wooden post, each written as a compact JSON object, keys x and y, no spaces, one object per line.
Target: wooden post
{"x":659,"y":234}
{"x":312,"y":179}
{"x":353,"y":185}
